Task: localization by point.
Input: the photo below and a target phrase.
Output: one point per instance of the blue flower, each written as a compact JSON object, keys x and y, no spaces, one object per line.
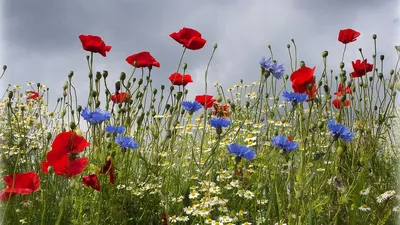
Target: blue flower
{"x":115,"y":129}
{"x":126,"y":142}
{"x":294,"y":97}
{"x":191,"y":107}
{"x":241,"y":151}
{"x":283,"y":143}
{"x":339,"y":130}
{"x":95,"y":117}
{"x":276,"y":70}
{"x":218,"y":122}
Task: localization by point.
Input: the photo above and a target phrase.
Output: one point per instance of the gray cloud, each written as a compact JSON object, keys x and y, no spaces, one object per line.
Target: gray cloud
{"x":40,"y":38}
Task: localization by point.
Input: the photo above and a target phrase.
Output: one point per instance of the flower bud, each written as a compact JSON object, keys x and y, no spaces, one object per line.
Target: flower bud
{"x":94,"y":94}
{"x":117,"y":86}
{"x":374,"y":36}
{"x":184,"y":66}
{"x":382,"y":57}
{"x":288,"y":46}
{"x":340,"y":151}
{"x":324,"y":54}
{"x":98,"y":75}
{"x":79,"y":109}
{"x":140,"y":82}
{"x":215,"y":46}
{"x":90,"y":75}
{"x":171,"y":88}
{"x":219,"y":99}
{"x":397,"y":85}
{"x":65,"y":86}
{"x":10,"y":94}
{"x":380,"y":76}
{"x":97,"y":105}
{"x":326,"y":88}
{"x":65,"y":94}
{"x":72,"y":125}
{"x":155,"y":91}
{"x":320,"y":124}
{"x":391,"y":72}
{"x":162,"y":87}
{"x":4,"y":67}
{"x":122,"y":76}
{"x":286,"y":76}
{"x":302,"y":64}
{"x":50,"y":169}
{"x":105,"y":74}
{"x":341,"y":65}
{"x":391,"y":85}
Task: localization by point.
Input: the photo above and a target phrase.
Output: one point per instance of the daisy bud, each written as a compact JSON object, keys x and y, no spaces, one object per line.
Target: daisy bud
{"x":324,"y":54}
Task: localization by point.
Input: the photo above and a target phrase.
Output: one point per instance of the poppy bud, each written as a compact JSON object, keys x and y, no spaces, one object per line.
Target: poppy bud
{"x":117,"y":86}
{"x":380,"y":76}
{"x":4,"y":67}
{"x":215,"y":46}
{"x":87,"y":57}
{"x":320,"y":83}
{"x":341,"y":65}
{"x":179,"y":95}
{"x":122,"y":76}
{"x":48,"y":136}
{"x":162,"y":87}
{"x":288,"y":46}
{"x":302,"y":64}
{"x":374,"y":36}
{"x":90,"y":75}
{"x":97,"y":104}
{"x":79,"y":109}
{"x":324,"y":54}
{"x":184,"y":66}
{"x":370,"y":79}
{"x":65,"y":94}
{"x":94,"y":93}
{"x":10,"y":94}
{"x":65,"y":86}
{"x":342,"y":73}
{"x":105,"y":74}
{"x":219,"y":99}
{"x":361,"y":84}
{"x":128,"y":85}
{"x":326,"y":88}
{"x":320,"y":124}
{"x":167,"y":106}
{"x":186,"y":91}
{"x":247,"y":104}
{"x":375,"y":108}
{"x":154,"y":91}
{"x":286,"y":76}
{"x":382,"y":57}
{"x":63,"y":113}
{"x":72,"y":125}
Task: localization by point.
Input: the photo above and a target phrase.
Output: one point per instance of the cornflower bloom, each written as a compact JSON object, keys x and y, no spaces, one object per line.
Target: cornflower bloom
{"x":339,"y":130}
{"x":191,"y":107}
{"x":115,"y":129}
{"x":241,"y":151}
{"x":95,"y":117}
{"x":283,"y":143}
{"x":272,"y":67}
{"x":294,"y":97}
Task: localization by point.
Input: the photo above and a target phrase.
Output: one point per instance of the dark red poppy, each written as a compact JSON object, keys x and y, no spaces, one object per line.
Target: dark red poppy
{"x":289,"y":138}
{"x":164,"y":218}
{"x":361,"y":68}
{"x":91,"y":181}
{"x":190,"y":38}
{"x":205,"y":100}
{"x":342,"y":90}
{"x":302,"y":78}
{"x":120,"y":97}
{"x":143,"y":59}
{"x":32,"y":95}
{"x":63,"y":155}
{"x":24,"y":184}
{"x":221,"y":110}
{"x":178,"y":79}
{"x":108,"y":168}
{"x":348,"y":35}
{"x":94,"y":44}
{"x":339,"y":105}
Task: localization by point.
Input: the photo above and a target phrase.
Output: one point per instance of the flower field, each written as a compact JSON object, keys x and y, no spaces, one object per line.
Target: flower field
{"x":301,"y":145}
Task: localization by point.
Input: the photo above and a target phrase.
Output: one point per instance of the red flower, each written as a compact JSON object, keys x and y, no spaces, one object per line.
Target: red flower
{"x":178,"y":79}
{"x":289,"y":138}
{"x":91,"y":181}
{"x":108,"y":168}
{"x":348,"y":35}
{"x":205,"y":100}
{"x":143,"y":59}
{"x":342,"y":90}
{"x":361,"y":68}
{"x":221,"y":110}
{"x":24,"y":184}
{"x":62,"y":156}
{"x":32,"y":95}
{"x":120,"y":97}
{"x":302,"y":78}
{"x":339,"y":105}
{"x":190,"y":38}
{"x":94,"y":44}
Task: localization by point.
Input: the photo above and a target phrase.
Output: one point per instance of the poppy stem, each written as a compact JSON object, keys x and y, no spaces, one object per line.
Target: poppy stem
{"x":344,"y":50}
{"x":180,"y":61}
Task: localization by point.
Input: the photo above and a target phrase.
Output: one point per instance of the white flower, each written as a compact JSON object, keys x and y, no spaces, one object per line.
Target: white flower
{"x":380,"y":199}
{"x":248,"y":194}
{"x":388,"y":194}
{"x":364,"y":208}
{"x":193,"y":194}
{"x":364,"y":191}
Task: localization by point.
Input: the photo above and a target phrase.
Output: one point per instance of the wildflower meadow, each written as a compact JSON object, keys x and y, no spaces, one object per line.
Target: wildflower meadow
{"x":301,"y":145}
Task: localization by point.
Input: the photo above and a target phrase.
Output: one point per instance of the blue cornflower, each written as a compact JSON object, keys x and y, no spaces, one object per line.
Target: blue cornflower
{"x":241,"y":151}
{"x":283,"y":143}
{"x":294,"y":97}
{"x":126,"y":142}
{"x":339,"y":130}
{"x":276,"y":70}
{"x":95,"y":117}
{"x":115,"y":129}
{"x":191,"y":107}
{"x":218,"y":122}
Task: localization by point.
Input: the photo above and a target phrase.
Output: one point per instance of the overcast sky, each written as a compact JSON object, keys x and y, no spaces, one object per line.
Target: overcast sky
{"x":39,"y":39}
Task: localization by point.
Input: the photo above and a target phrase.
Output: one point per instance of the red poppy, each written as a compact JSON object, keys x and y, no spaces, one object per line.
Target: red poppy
{"x":94,"y":44}
{"x":301,"y":78}
{"x":143,"y":59}
{"x":24,"y":184}
{"x":339,"y":105}
{"x":62,"y":156}
{"x":178,"y":79}
{"x":120,"y":97}
{"x":205,"y":100}
{"x":190,"y":38}
{"x":361,"y":68}
{"x":91,"y":181}
{"x":342,"y":90}
{"x":221,"y":110}
{"x":108,"y":168}
{"x":32,"y":95}
{"x":289,"y":138}
{"x":348,"y":35}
